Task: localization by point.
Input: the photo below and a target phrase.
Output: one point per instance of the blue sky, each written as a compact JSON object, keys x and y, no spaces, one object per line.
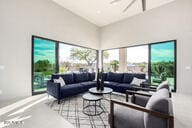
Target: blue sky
{"x":162,"y":52}
{"x":44,"y":50}
{"x":159,"y":52}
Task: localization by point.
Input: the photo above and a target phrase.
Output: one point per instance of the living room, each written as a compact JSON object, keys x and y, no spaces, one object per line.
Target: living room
{"x":122,"y":36}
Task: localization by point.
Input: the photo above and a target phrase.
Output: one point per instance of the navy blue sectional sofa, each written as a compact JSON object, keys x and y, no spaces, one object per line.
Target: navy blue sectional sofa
{"x":78,"y":83}
{"x":75,"y":83}
{"x":120,"y":82}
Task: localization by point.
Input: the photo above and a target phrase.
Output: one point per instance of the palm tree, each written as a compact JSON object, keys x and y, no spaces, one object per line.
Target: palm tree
{"x":159,"y":69}
{"x":115,"y":65}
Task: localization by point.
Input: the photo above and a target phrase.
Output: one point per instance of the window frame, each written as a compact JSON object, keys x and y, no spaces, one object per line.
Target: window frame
{"x":97,"y":53}
{"x":56,"y":59}
{"x":175,"y":60}
{"x":149,"y":58}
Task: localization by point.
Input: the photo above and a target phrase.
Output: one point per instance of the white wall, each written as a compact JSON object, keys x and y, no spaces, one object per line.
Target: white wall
{"x":19,"y":19}
{"x":172,"y":21}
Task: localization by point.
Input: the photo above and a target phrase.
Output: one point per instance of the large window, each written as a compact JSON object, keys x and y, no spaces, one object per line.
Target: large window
{"x":163,"y":63}
{"x":111,"y":60}
{"x":131,"y":59}
{"x":156,"y":60}
{"x":50,"y":57}
{"x":44,"y":63}
{"x":76,"y":59}
{"x":137,"y":59}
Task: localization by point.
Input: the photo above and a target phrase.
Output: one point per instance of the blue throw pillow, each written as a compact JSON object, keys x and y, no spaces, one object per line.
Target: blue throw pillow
{"x":104,"y":75}
{"x":128,"y":77}
{"x":115,"y":77}
{"x":91,"y":76}
{"x":81,"y":77}
{"x":139,"y":76}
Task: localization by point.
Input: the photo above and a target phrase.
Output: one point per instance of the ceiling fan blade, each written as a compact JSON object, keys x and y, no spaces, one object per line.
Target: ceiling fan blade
{"x":132,"y":2}
{"x":114,"y":1}
{"x":144,"y":5}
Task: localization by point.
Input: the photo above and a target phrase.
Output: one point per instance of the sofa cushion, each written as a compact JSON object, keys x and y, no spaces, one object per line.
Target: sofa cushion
{"x":125,"y":117}
{"x":71,"y":86}
{"x":104,"y":76}
{"x":80,"y":77}
{"x":88,"y":84}
{"x":68,"y":78}
{"x":91,"y":76}
{"x":139,"y":76}
{"x":115,"y":77}
{"x":110,"y":83}
{"x":128,"y":77}
{"x":164,"y":84}
{"x":71,"y":89}
{"x":158,"y":102}
{"x":125,"y":86}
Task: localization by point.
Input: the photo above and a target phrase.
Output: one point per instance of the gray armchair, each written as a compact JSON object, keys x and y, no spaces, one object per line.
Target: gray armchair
{"x":164,"y":84}
{"x":140,"y":94}
{"x":158,"y":113}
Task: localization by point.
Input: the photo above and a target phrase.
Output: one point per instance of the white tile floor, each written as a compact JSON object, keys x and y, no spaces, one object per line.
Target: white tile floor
{"x":182,"y":105}
{"x":41,"y":116}
{"x":38,"y":114}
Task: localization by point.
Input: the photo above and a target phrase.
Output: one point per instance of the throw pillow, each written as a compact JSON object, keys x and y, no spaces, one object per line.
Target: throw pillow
{"x":60,"y":80}
{"x":137,"y":81}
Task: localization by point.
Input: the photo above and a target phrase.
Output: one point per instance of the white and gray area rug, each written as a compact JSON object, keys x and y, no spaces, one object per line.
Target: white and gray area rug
{"x":71,"y":109}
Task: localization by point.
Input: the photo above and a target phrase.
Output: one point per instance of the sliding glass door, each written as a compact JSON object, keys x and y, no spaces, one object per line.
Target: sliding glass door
{"x":163,"y":63}
{"x":44,"y":63}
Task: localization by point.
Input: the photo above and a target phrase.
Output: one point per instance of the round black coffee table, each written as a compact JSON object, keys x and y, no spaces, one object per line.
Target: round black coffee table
{"x":92,"y":104}
{"x":106,"y":90}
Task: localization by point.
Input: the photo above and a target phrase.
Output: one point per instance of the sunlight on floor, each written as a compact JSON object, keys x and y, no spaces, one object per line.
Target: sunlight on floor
{"x":16,"y":117}
{"x":28,"y":106}
{"x":21,"y":103}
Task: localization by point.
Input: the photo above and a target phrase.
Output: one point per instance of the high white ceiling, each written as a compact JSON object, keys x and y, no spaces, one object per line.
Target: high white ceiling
{"x":101,"y":12}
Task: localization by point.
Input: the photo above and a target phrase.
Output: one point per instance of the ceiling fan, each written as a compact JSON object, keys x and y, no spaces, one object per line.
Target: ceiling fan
{"x":130,"y":4}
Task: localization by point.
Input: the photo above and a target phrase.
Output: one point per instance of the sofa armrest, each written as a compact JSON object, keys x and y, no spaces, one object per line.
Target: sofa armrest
{"x":139,"y":108}
{"x":153,"y":87}
{"x":136,"y":88}
{"x":53,"y":89}
{"x":129,"y":92}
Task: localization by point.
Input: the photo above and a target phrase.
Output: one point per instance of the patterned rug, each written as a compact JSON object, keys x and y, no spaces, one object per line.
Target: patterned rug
{"x":72,"y":110}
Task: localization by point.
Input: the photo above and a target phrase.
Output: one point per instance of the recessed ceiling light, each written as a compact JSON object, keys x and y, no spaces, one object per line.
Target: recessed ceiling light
{"x":98,"y":12}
